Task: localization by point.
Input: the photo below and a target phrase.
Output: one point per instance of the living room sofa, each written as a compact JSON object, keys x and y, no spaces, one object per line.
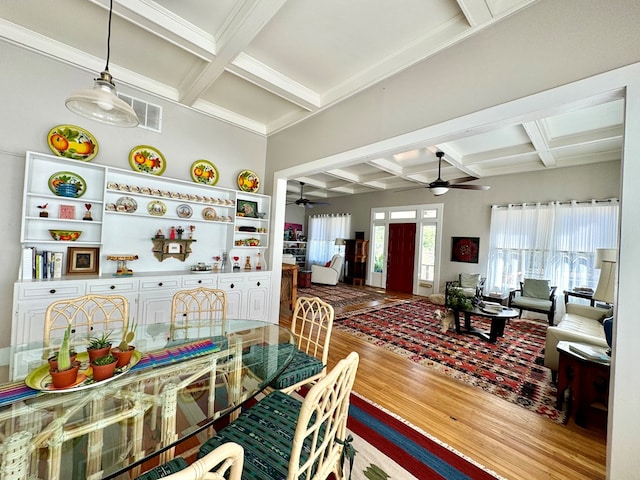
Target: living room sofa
{"x":582,"y":324}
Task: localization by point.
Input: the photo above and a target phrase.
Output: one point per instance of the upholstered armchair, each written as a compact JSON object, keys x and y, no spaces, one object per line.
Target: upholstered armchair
{"x":328,"y":275}
{"x":471,"y":284}
{"x":536,"y":296}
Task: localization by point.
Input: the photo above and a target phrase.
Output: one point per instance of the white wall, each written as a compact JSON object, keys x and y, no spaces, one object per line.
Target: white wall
{"x":32,"y":93}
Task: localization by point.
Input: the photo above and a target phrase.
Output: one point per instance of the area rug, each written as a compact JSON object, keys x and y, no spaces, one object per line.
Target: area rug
{"x":342,"y":295}
{"x":388,"y":447}
{"x":512,"y":368}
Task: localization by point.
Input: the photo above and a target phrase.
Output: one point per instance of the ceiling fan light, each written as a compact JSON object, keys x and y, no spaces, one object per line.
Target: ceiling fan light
{"x":439,"y":190}
{"x":102,"y":104}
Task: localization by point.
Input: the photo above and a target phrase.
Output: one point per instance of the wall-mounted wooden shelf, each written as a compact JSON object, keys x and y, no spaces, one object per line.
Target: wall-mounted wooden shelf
{"x":179,"y":248}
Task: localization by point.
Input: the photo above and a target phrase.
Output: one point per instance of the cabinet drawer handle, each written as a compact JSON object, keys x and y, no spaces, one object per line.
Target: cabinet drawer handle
{"x":258,"y":284}
{"x":199,"y":281}
{"x":160,"y":284}
{"x":53,"y":290}
{"x":112,"y":287}
{"x":232,"y":285}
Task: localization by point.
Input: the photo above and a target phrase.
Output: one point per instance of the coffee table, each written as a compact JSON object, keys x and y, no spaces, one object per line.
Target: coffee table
{"x":498,"y":321}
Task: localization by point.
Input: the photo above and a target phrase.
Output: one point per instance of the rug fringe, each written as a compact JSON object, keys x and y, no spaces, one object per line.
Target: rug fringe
{"x":429,"y":436}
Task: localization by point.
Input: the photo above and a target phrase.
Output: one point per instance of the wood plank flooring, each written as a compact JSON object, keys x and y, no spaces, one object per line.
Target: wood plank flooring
{"x":510,"y":440}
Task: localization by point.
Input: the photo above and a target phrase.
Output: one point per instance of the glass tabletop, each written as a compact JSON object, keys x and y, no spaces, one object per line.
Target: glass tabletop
{"x":174,"y":390}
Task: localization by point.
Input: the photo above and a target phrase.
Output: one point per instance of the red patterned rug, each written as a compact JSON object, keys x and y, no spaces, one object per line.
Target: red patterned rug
{"x":512,"y":368}
{"x":342,"y":295}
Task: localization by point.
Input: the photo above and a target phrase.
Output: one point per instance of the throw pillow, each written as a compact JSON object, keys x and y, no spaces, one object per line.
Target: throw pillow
{"x":533,"y":288}
{"x":328,"y":264}
{"x":469,"y":280}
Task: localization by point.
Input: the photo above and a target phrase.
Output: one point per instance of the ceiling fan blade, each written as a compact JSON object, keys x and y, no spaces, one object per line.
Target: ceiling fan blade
{"x":462,"y":180}
{"x":470,"y":187}
{"x":318,"y":203}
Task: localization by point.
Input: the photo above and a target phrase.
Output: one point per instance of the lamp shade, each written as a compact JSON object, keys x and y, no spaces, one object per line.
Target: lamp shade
{"x":102,"y":104}
{"x":340,"y":241}
{"x":605,"y":254}
{"x":606,"y":283}
{"x":439,"y":190}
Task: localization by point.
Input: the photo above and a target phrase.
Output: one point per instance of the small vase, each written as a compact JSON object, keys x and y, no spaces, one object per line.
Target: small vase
{"x":67,"y":190}
{"x":102,"y":372}
{"x":98,"y":352}
{"x":65,"y":378}
{"x":123,"y":357}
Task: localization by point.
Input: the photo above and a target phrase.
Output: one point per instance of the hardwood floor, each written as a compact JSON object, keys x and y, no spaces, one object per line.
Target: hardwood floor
{"x":510,"y":440}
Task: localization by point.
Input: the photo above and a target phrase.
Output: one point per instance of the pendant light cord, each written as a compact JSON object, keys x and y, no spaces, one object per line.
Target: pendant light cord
{"x":106,"y":67}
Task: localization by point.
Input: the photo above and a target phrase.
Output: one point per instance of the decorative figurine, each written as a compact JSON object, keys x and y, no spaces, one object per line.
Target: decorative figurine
{"x":159,"y":234}
{"x":172,"y":233}
{"x":216,"y":266}
{"x":43,"y":211}
{"x":247,"y":263}
{"x":192,"y":228}
{"x":179,"y":231}
{"x":236,"y":265}
{"x":87,"y":214}
{"x":259,"y":262}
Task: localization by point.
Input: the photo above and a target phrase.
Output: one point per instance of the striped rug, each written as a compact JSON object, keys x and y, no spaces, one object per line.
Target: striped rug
{"x":388,"y":447}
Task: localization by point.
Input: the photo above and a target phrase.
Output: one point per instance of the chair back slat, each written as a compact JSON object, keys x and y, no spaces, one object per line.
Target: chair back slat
{"x":312,"y":324}
{"x":200,"y":311}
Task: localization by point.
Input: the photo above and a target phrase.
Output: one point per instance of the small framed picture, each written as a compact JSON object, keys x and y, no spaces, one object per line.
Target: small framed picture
{"x":465,"y":249}
{"x":247,"y":208}
{"x":67,"y":211}
{"x":83,"y":260}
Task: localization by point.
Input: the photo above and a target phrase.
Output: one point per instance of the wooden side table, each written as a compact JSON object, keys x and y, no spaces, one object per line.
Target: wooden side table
{"x":587,"y":381}
{"x":573,"y":293}
{"x":304,"y":279}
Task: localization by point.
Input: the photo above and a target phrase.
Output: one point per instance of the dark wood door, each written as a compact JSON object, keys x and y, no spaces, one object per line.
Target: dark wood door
{"x":400,"y":257}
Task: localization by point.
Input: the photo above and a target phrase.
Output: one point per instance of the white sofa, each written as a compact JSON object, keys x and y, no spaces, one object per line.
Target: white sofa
{"x":582,"y":324}
{"x":327,"y":275}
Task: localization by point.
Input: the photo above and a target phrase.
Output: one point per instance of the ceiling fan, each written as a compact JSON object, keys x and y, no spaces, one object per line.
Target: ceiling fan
{"x":440,"y":187}
{"x":305,"y":202}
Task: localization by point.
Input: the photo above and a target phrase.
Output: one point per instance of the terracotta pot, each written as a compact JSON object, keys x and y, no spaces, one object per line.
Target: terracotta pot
{"x":64,"y":378}
{"x":123,"y":357}
{"x":102,"y":372}
{"x":53,"y":361}
{"x":98,"y":352}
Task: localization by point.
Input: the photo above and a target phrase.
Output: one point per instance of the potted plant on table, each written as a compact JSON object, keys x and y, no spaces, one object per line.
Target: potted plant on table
{"x":456,"y":300}
{"x":124,"y":351}
{"x":66,"y":372}
{"x":99,"y":346}
{"x":103,"y":367}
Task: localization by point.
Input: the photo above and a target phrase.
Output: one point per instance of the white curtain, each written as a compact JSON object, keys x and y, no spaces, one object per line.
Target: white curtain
{"x":555,"y":241}
{"x":322,"y":233}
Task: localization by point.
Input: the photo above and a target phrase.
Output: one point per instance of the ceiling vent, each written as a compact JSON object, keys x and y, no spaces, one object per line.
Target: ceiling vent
{"x":150,"y":115}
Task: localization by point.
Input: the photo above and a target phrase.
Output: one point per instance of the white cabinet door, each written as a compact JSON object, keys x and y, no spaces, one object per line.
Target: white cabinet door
{"x":257,"y":293}
{"x":234,"y":286}
{"x":154,"y":302}
{"x":247,"y":294}
{"x":32,"y":300}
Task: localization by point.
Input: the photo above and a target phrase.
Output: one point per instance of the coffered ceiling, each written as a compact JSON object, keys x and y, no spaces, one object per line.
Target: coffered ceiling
{"x":264,"y":65}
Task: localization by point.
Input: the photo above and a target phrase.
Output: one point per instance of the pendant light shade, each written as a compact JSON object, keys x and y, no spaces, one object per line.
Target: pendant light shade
{"x":439,"y":190}
{"x":101,"y":103}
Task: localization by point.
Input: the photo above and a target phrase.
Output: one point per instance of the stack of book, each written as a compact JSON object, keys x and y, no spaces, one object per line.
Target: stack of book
{"x":41,"y":264}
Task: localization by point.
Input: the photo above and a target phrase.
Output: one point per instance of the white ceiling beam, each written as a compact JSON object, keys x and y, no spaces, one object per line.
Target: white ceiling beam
{"x":540,"y":141}
{"x":475,"y":11}
{"x":246,"y":22}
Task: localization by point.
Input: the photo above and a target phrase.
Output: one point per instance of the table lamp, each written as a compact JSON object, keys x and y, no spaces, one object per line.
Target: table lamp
{"x":606,"y":262}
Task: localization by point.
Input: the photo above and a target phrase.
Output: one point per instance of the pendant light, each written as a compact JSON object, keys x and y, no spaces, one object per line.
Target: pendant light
{"x":101,"y":103}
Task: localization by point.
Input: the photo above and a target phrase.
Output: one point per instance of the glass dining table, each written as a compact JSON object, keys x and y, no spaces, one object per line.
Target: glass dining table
{"x":163,"y":403}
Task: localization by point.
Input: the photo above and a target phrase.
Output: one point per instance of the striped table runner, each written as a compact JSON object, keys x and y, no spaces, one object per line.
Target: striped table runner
{"x":13,"y":392}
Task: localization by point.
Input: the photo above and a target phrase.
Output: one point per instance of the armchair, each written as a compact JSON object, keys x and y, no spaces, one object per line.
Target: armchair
{"x":471,"y":284}
{"x":328,"y":275}
{"x":536,"y":296}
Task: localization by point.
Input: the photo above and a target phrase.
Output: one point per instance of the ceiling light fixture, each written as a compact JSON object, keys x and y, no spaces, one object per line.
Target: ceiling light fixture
{"x":101,"y":103}
{"x":439,"y":190}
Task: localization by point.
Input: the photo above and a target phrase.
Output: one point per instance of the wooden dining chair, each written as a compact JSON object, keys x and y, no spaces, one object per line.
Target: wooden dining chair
{"x":311,"y":324}
{"x":200,"y":312}
{"x":284,"y":437}
{"x":89,"y":316}
{"x":228,"y":457}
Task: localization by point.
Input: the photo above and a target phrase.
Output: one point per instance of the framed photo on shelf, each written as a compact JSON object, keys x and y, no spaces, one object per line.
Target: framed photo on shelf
{"x":67,"y":212}
{"x":83,"y":260}
{"x":465,"y":249}
{"x":247,"y":208}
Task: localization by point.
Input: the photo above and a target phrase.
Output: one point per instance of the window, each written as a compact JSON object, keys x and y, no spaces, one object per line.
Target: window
{"x":555,"y":241}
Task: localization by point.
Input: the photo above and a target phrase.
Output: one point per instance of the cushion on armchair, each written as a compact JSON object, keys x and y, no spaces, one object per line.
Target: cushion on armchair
{"x":534,"y":288}
{"x":469,"y":280}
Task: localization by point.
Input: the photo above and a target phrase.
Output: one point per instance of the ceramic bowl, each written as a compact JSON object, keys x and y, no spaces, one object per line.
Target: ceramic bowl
{"x":65,"y":235}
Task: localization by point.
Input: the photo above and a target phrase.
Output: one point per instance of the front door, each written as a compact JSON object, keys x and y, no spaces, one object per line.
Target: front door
{"x":401,"y":250}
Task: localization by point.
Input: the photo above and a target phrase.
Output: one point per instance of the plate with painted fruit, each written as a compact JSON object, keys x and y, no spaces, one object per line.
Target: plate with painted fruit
{"x":71,"y":141}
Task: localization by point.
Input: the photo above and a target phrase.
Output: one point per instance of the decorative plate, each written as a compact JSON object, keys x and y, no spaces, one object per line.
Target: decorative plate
{"x":157,"y":208}
{"x":248,"y":181}
{"x":146,"y":159}
{"x":73,"y":142}
{"x":126,"y":204}
{"x":209,"y":213}
{"x":67,"y":178}
{"x":184,"y":211}
{"x":205,"y":172}
{"x":39,"y":379}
